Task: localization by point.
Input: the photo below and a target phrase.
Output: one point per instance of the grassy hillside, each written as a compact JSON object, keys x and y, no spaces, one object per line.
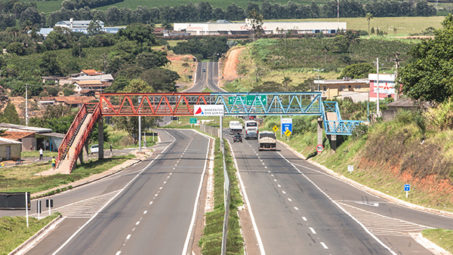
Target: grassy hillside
{"x":270,"y":60}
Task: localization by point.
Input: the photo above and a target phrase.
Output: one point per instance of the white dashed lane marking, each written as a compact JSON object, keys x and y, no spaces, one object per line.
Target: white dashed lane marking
{"x":128,"y":237}
{"x":305,"y":219}
{"x":312,"y":230}
{"x":324,"y":245}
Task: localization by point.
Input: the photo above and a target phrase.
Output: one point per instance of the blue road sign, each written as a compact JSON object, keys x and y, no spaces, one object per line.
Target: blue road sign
{"x":287,"y":124}
{"x":407,"y":187}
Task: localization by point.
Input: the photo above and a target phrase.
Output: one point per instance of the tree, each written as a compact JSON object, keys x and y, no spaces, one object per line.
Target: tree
{"x":162,"y":80}
{"x":16,"y":48}
{"x":368,"y":17}
{"x":140,"y":33}
{"x":152,"y":59}
{"x":49,"y":64}
{"x":94,"y":27}
{"x":256,"y":20}
{"x":429,"y":74}
{"x":10,"y":114}
{"x":77,"y":51}
{"x":355,"y":71}
{"x":138,"y":86}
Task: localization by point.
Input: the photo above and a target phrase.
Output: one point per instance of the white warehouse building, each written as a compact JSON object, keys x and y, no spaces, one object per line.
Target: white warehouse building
{"x":223,"y":27}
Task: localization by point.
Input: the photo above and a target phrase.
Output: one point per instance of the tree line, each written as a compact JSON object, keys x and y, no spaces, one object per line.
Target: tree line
{"x":26,"y":13}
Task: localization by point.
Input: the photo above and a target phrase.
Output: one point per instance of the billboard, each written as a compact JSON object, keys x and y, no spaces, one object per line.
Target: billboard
{"x":386,"y":86}
{"x":208,"y":110}
{"x":13,"y":200}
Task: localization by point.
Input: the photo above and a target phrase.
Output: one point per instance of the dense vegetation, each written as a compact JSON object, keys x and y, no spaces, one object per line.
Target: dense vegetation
{"x":429,"y":75}
{"x":211,"y":47}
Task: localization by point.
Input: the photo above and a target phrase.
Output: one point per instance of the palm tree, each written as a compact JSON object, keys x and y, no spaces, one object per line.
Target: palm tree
{"x":368,"y":17}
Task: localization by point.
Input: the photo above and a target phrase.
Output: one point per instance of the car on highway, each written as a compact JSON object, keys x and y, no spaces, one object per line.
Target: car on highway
{"x":237,"y":138}
{"x":235,"y":127}
{"x":251,"y":129}
{"x":267,"y":141}
{"x":94,"y":148}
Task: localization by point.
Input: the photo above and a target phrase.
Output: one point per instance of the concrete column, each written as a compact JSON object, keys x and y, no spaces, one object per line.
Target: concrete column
{"x":101,"y":138}
{"x":80,"y":157}
{"x":333,"y":142}
{"x":319,"y":127}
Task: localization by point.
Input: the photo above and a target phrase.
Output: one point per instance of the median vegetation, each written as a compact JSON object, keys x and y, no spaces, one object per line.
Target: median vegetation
{"x":14,"y":231}
{"x":211,"y":241}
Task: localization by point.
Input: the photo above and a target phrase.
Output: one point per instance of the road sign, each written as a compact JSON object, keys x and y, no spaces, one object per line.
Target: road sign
{"x":287,"y":124}
{"x":287,"y":133}
{"x":319,"y":148}
{"x":193,"y":120}
{"x":248,"y":100}
{"x":275,"y":128}
{"x":208,"y":110}
{"x":407,"y":187}
{"x":350,"y":168}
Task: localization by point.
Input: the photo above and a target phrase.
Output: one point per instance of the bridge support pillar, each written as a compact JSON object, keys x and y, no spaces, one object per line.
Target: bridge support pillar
{"x":319,"y":127}
{"x":333,"y":142}
{"x":80,"y":157}
{"x":101,"y":138}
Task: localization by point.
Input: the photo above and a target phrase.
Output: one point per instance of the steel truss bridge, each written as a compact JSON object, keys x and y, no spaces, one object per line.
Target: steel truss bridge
{"x":182,"y":104}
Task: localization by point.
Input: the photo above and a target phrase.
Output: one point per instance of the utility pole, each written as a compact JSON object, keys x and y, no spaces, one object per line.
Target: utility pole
{"x":397,"y":85}
{"x":378,"y":111}
{"x":338,"y":11}
{"x":26,"y":104}
{"x":139,"y":128}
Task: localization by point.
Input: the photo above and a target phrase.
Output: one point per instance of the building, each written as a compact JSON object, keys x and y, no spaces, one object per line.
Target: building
{"x":10,"y":149}
{"x":356,"y":89}
{"x":32,"y":138}
{"x":80,"y":26}
{"x":90,"y":87}
{"x":223,"y":27}
{"x":386,"y":86}
{"x":90,"y":72}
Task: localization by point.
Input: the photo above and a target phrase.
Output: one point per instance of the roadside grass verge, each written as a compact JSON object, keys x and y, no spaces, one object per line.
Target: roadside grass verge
{"x":14,"y":231}
{"x":441,"y":237}
{"x":24,"y":178}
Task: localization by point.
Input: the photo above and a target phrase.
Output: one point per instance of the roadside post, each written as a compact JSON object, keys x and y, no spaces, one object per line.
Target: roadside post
{"x":288,"y":134}
{"x":38,"y":208}
{"x":193,"y":121}
{"x":26,"y":207}
{"x":407,"y":188}
{"x":350,"y":168}
{"x":275,"y":128}
{"x":49,"y":204}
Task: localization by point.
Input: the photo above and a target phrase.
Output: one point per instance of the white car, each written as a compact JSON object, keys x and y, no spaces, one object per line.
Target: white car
{"x":94,"y":148}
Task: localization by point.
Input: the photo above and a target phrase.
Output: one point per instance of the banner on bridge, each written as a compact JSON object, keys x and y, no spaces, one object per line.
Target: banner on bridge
{"x":208,"y":110}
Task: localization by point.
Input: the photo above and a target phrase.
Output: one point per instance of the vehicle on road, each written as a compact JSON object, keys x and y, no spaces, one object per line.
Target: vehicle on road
{"x":267,"y":141}
{"x":235,"y":127}
{"x":237,"y":138}
{"x":251,"y":129}
{"x":94,"y":148}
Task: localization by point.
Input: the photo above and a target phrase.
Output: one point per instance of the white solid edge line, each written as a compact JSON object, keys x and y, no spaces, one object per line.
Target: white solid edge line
{"x":195,"y":207}
{"x":117,"y":194}
{"x":339,"y":206}
{"x":255,"y":227}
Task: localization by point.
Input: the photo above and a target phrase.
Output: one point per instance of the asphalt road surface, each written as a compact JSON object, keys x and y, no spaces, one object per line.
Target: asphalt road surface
{"x":299,"y":209}
{"x":147,"y":209}
{"x":207,"y":77}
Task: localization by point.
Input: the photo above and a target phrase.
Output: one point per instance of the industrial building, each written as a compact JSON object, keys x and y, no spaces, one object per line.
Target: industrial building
{"x":224,"y":27}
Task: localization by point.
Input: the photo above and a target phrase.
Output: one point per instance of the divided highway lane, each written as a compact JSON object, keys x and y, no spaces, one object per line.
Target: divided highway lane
{"x":291,"y":214}
{"x":153,"y":213}
{"x":207,"y":77}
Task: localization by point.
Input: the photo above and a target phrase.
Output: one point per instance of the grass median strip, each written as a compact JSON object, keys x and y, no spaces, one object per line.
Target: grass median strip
{"x":441,"y":237}
{"x":24,"y":178}
{"x":211,"y":241}
{"x":14,"y":231}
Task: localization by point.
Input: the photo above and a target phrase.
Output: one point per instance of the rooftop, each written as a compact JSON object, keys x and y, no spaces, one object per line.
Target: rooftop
{"x":91,"y":72}
{"x":14,"y":127}
{"x":8,"y":141}
{"x":89,"y":82}
{"x":16,"y":135}
{"x":343,"y":81}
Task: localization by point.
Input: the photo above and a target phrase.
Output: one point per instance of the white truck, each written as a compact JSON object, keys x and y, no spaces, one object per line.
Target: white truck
{"x":235,"y":127}
{"x":251,"y":129}
{"x":267,"y":141}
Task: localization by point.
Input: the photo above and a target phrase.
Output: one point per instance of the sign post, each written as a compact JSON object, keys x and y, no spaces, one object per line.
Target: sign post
{"x":319,"y":148}
{"x":193,"y":121}
{"x":287,"y":125}
{"x":407,"y":188}
{"x":275,"y":128}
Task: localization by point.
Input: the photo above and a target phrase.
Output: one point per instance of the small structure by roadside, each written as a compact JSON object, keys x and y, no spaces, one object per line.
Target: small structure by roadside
{"x":10,"y":149}
{"x":402,"y":104}
{"x":335,"y":88}
{"x":32,"y":138}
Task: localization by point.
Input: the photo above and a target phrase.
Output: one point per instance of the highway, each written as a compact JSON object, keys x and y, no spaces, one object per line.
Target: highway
{"x":299,"y":209}
{"x":150,"y":207}
{"x":207,"y":77}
